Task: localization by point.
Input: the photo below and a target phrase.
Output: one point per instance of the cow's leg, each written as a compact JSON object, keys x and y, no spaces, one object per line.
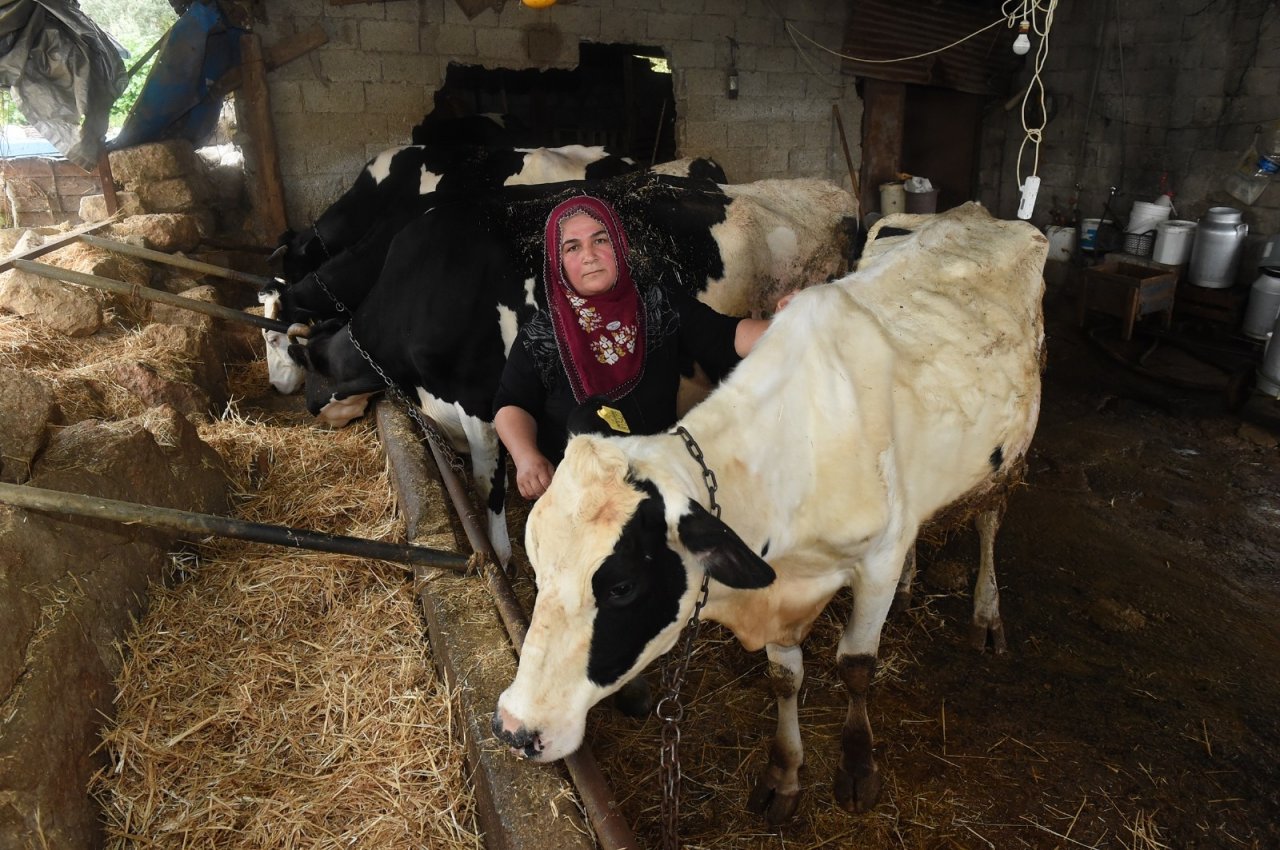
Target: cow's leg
{"x":986,"y":592}
{"x":857,"y":780}
{"x":777,"y":793}
{"x":489,"y":469}
{"x":902,"y":596}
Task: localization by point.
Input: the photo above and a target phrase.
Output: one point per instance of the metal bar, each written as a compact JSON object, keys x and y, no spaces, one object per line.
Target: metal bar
{"x":131,"y":290}
{"x":612,"y":830}
{"x":35,"y":498}
{"x":53,"y":244}
{"x":175,"y":260}
{"x":853,"y":177}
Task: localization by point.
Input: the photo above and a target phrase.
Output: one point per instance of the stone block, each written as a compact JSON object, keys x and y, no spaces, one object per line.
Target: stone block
{"x":94,"y":207}
{"x":26,"y":406}
{"x":397,"y":99}
{"x":455,"y":42}
{"x":178,"y":194}
{"x":66,"y":309}
{"x":670,"y":27}
{"x":159,"y":231}
{"x":500,"y":45}
{"x":694,"y":54}
{"x":408,"y":68}
{"x":152,"y":162}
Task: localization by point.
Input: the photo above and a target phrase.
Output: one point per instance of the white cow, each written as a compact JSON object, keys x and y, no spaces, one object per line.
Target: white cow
{"x":869,"y":405}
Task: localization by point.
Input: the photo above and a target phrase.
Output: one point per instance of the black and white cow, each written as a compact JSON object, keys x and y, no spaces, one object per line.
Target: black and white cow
{"x":329,"y":267}
{"x":867,"y":407}
{"x":460,"y":279}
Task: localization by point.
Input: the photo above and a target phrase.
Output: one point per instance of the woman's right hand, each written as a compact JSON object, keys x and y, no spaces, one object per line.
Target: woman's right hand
{"x":533,"y":475}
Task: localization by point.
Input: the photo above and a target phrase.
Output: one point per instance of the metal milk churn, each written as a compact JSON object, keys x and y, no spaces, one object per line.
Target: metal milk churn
{"x":1264,"y":295}
{"x":1216,"y":253}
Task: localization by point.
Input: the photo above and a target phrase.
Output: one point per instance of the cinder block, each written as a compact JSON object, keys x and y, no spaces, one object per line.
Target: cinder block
{"x":397,"y":99}
{"x":705,"y":135}
{"x":407,"y":67}
{"x":350,"y":65}
{"x":777,"y":59}
{"x":693,"y":54}
{"x":670,"y":27}
{"x":453,"y":42}
{"x":286,"y":96}
{"x":760,"y":31}
{"x":325,"y":97}
{"x":502,"y":45}
{"x":786,"y":84}
{"x":395,"y":36}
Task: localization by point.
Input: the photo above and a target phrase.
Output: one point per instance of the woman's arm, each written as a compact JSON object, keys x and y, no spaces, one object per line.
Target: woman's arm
{"x":749,"y":330}
{"x":519,"y":433}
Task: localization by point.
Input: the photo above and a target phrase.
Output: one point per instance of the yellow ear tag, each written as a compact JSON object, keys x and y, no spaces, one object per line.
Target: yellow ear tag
{"x":614,"y":419}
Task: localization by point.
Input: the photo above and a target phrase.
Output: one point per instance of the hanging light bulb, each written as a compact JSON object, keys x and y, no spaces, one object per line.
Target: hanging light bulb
{"x":1022,"y":44}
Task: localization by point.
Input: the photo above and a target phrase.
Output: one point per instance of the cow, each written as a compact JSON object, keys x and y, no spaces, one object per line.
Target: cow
{"x":377,"y":212}
{"x":412,"y":175}
{"x":460,"y":280}
{"x":868,"y":406}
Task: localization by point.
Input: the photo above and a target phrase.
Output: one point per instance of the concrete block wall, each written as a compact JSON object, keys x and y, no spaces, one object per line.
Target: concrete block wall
{"x":363,"y":91}
{"x":1180,"y":86}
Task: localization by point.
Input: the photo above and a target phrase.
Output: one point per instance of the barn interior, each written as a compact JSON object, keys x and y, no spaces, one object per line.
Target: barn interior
{"x":165,"y":686}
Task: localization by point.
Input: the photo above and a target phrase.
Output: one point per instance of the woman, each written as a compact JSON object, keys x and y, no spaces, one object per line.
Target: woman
{"x":602,"y":336}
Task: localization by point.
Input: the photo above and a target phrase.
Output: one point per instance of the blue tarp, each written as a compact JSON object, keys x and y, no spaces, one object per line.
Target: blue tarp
{"x":175,"y":101}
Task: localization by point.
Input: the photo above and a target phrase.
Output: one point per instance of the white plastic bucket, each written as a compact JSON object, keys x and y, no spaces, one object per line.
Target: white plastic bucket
{"x":892,"y":197}
{"x":1173,"y":242}
{"x":1061,"y":241}
{"x":1145,"y":217}
{"x":1089,"y":233}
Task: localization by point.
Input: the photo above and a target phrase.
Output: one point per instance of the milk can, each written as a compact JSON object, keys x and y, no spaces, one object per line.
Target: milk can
{"x":1269,"y":371}
{"x":1216,"y":252}
{"x":1264,"y":295}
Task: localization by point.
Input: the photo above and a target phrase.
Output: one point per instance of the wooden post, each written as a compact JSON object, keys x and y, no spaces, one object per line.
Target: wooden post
{"x":269,"y":186}
{"x":108,"y":183}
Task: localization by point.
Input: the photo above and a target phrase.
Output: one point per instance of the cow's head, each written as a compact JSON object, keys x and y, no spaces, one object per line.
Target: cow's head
{"x":283,"y":373}
{"x":619,"y":556}
{"x":339,"y":381}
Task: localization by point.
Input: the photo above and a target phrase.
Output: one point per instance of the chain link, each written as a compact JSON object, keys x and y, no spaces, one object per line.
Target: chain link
{"x":342,"y":308}
{"x":670,"y":710}
{"x":442,"y":443}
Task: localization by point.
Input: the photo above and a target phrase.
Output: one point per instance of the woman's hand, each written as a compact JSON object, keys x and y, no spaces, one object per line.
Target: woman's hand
{"x":533,"y":475}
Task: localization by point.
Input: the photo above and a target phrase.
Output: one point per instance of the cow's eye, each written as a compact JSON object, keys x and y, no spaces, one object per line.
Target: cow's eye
{"x":622,"y":592}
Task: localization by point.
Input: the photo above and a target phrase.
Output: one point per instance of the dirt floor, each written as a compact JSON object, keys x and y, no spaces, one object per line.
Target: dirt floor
{"x":1136,"y":707}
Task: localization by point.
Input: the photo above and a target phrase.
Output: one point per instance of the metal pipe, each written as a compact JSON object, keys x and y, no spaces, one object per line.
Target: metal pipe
{"x":612,"y":830}
{"x":176,"y":260}
{"x":148,"y":294}
{"x":57,"y":501}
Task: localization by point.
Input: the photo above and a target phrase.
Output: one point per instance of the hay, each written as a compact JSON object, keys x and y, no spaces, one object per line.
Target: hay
{"x":285,"y":699}
{"x":79,"y":371}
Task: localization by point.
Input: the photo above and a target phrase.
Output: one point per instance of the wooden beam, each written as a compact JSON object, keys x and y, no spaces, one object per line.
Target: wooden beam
{"x":281,"y":53}
{"x":269,"y":186}
{"x":108,"y":183}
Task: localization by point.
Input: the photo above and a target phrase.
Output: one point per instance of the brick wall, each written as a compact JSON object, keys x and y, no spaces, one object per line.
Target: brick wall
{"x":1180,"y":85}
{"x":40,"y":191}
{"x":364,"y":90}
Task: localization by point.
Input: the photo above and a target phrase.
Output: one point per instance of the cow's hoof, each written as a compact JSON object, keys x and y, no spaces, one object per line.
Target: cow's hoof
{"x":776,"y":806}
{"x":978,"y":635}
{"x":635,"y":698}
{"x":857,"y":794}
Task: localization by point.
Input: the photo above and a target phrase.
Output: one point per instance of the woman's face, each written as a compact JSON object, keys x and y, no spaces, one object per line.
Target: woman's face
{"x":586,"y":253}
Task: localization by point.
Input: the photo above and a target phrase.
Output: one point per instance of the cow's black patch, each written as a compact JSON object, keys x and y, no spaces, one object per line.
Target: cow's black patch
{"x":997,"y":458}
{"x":637,"y":591}
{"x":764,"y":550}
{"x":724,"y":555}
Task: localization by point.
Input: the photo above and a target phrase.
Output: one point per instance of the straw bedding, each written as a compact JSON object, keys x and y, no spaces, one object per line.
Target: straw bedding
{"x":286,"y":699}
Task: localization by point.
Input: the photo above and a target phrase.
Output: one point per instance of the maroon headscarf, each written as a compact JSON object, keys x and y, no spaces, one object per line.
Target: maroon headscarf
{"x":600,"y":337}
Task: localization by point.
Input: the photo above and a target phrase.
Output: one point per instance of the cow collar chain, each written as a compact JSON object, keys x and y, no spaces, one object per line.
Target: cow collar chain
{"x":393,"y":389}
{"x":337,"y":302}
{"x":669,"y":709}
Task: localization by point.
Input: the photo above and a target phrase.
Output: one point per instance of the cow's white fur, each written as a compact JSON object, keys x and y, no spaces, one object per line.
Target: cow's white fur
{"x":379,"y":167}
{"x":869,"y":405}
{"x":286,"y":376}
{"x":554,"y":165}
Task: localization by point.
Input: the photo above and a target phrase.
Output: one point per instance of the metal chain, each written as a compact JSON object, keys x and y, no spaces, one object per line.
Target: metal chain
{"x":342,"y":308}
{"x":432,"y":432}
{"x":708,"y":476}
{"x":670,"y":710}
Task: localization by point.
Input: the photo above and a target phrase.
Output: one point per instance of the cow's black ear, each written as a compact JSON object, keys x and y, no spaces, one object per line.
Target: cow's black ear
{"x":301,"y":355}
{"x":723,"y":554}
{"x":596,"y":416}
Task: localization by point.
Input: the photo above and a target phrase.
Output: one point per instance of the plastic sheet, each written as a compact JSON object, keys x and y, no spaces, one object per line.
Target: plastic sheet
{"x":64,"y":71}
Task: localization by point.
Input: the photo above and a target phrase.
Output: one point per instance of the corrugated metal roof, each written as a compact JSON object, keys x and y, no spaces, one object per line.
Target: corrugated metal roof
{"x":883,"y":29}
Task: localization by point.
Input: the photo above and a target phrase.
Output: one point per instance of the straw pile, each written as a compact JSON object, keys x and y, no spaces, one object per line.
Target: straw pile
{"x":285,"y":699}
